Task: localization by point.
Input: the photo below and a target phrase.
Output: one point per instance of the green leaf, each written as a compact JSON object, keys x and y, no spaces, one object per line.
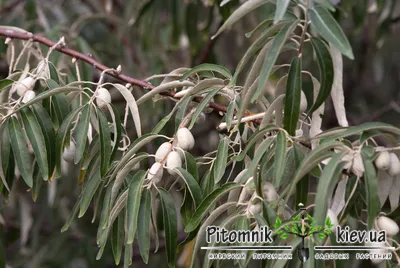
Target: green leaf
{"x":128,"y":255}
{"x":134,"y":194}
{"x":5,"y":83}
{"x":279,"y":158}
{"x":80,"y":132}
{"x":191,"y":165}
{"x":310,"y":161}
{"x":117,"y":136}
{"x":63,"y":132}
{"x":325,"y":72}
{"x":117,"y":238}
{"x":36,"y":138}
{"x":327,"y":26}
{"x":259,"y":43}
{"x":258,"y":135}
{"x":371,"y":186}
{"x":143,"y":233}
{"x":243,"y":10}
{"x":130,"y":100}
{"x":207,"y":67}
{"x":71,"y":216}
{"x":37,"y":183}
{"x":326,"y":3}
{"x":203,"y":104}
{"x":53,"y":72}
{"x":192,"y":185}
{"x":221,"y":160}
{"x":342,"y":132}
{"x":88,"y":191}
{"x":259,"y":153}
{"x":48,"y":133}
{"x":170,"y":225}
{"x":229,"y":115}
{"x":105,"y":142}
{"x":292,"y":98}
{"x":207,"y":203}
{"x":281,"y":7}
{"x":326,"y":184}
{"x":20,"y":150}
{"x":46,"y":94}
{"x":271,"y":57}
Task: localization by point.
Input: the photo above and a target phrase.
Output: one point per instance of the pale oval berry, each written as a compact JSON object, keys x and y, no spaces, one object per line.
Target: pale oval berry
{"x":102,"y":97}
{"x":299,"y":132}
{"x":156,"y":172}
{"x":303,"y":102}
{"x":358,"y":165}
{"x":29,"y":95}
{"x":383,"y":160}
{"x":388,"y":225}
{"x":376,"y":251}
{"x":163,"y":151}
{"x":394,"y":167}
{"x":26,"y":84}
{"x":69,"y":153}
{"x":255,"y":208}
{"x":334,"y":220}
{"x":185,"y":139}
{"x":269,"y":192}
{"x":42,"y":70}
{"x":173,"y":161}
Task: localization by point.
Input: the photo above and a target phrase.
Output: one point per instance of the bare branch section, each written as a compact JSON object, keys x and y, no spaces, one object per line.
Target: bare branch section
{"x":97,"y":65}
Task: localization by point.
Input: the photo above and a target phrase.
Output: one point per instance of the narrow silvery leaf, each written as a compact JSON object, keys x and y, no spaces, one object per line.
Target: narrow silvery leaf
{"x":130,"y":100}
{"x":338,"y":200}
{"x":311,"y":160}
{"x":88,"y":192}
{"x":134,"y":194}
{"x":135,"y":146}
{"x":281,"y":7}
{"x":337,"y":88}
{"x":243,"y":10}
{"x":279,"y":158}
{"x":192,"y":185}
{"x":191,"y":165}
{"x":272,"y":55}
{"x":207,"y":67}
{"x":258,"y":44}
{"x":48,"y":133}
{"x":81,"y":131}
{"x":327,"y":26}
{"x":143,"y":230}
{"x":117,"y":238}
{"x":229,"y":114}
{"x":326,"y":72}
{"x":261,"y":149}
{"x":326,"y":184}
{"x":105,"y":142}
{"x":271,"y":110}
{"x":20,"y":150}
{"x":221,"y":160}
{"x":371,"y":186}
{"x":394,"y":194}
{"x":36,"y":138}
{"x":162,"y":88}
{"x":206,"y":204}
{"x":316,"y":119}
{"x":121,"y":175}
{"x":327,"y":3}
{"x":71,"y":216}
{"x":128,"y":256}
{"x":170,"y":225}
{"x":203,"y":104}
{"x":292,"y":98}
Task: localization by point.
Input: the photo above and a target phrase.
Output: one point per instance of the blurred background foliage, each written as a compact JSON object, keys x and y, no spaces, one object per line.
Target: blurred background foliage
{"x":148,"y":37}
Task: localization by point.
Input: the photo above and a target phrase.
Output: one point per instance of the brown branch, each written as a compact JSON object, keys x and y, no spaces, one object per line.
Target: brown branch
{"x":99,"y":66}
